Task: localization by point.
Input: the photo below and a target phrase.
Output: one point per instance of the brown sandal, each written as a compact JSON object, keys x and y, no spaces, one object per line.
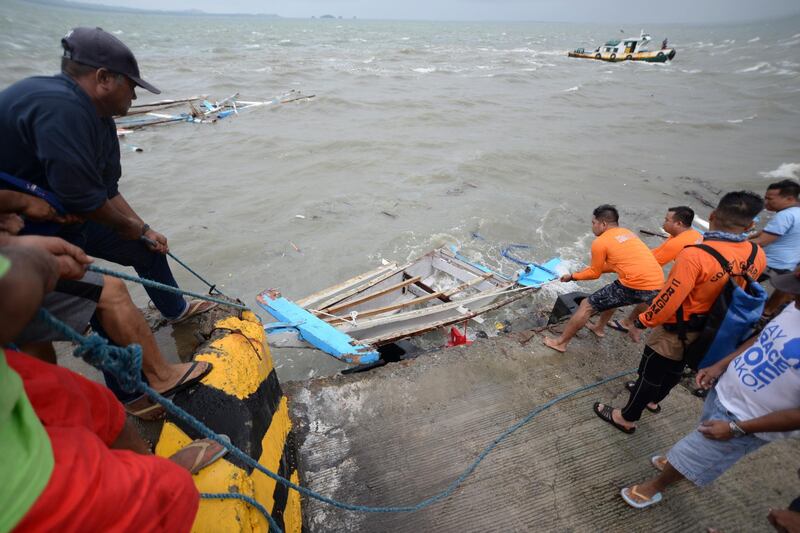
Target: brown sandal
{"x":143,"y":407}
{"x":194,"y":308}
{"x":203,"y":460}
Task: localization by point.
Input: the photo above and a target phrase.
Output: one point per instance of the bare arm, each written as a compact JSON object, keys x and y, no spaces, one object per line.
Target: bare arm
{"x":706,"y":377}
{"x":785,"y":420}
{"x":70,"y":260}
{"x":763,"y":238}
{"x":156,"y":241}
{"x":121,"y":205}
{"x":129,"y":228}
{"x":33,"y":273}
{"x":32,"y":207}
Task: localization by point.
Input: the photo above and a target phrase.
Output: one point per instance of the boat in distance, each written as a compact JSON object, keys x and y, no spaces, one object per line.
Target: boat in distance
{"x":628,"y":49}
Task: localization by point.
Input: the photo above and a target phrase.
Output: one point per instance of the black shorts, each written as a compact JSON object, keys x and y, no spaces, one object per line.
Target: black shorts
{"x":72,"y":302}
{"x":616,"y":295}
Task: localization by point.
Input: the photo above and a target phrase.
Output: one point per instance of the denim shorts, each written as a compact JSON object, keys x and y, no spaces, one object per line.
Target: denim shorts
{"x":702,"y":460}
{"x":616,"y":295}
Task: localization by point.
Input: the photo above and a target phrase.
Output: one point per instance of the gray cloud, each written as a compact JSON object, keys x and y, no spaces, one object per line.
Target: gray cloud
{"x":676,"y":11}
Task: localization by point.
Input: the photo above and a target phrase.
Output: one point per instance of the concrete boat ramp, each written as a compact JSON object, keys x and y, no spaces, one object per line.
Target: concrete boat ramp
{"x":399,"y":434}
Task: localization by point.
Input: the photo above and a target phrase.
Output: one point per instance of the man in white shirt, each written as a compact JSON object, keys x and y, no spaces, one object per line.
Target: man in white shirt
{"x":756,"y":401}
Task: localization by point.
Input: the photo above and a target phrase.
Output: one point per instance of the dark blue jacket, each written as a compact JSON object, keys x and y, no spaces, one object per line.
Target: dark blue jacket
{"x":51,"y":135}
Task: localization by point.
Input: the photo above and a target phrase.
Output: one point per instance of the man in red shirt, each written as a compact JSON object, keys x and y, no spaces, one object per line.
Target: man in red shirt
{"x":72,"y":461}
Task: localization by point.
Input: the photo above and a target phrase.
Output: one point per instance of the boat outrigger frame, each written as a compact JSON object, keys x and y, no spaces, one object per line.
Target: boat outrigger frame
{"x":352,"y":319}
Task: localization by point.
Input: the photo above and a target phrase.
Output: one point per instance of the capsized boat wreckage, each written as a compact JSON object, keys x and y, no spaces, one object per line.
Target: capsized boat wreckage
{"x":393,"y":302}
{"x":196,"y":110}
{"x":628,"y":49}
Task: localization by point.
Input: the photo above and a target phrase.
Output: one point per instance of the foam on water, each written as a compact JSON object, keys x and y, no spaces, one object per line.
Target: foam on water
{"x":755,"y":68}
{"x":785,"y":171}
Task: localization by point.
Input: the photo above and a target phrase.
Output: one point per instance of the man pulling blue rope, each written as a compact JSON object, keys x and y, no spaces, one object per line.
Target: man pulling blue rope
{"x":60,"y":141}
{"x":71,"y":459}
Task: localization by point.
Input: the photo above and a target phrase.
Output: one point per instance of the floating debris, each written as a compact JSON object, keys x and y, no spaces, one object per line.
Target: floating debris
{"x":201,"y":110}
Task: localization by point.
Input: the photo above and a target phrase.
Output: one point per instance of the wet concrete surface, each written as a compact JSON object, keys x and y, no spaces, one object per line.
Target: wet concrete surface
{"x":404,"y":432}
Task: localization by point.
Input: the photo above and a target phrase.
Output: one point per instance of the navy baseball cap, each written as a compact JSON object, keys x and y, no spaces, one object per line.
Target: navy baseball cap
{"x":100,"y":49}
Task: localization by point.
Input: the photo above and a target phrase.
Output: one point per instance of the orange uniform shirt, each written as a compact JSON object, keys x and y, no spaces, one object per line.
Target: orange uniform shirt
{"x":620,"y":250}
{"x":670,"y":248}
{"x":696,"y":279}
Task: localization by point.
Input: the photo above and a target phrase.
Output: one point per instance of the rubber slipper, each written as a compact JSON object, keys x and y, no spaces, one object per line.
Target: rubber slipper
{"x":617,"y":325}
{"x":630,"y":386}
{"x":194,"y":307}
{"x":201,"y":461}
{"x":143,"y":407}
{"x":658,"y":462}
{"x":605,"y":414}
{"x":185,"y":382}
{"x":628,"y":492}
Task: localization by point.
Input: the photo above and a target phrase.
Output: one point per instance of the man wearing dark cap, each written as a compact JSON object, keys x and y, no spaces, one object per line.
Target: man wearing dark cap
{"x":59,"y":136}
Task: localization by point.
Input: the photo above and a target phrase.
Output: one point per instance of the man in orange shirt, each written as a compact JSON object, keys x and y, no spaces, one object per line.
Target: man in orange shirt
{"x":614,"y":250}
{"x":678,"y":223}
{"x":693,"y":285}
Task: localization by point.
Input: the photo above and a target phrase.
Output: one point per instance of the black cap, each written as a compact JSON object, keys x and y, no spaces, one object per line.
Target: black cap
{"x":788,"y":283}
{"x":100,"y":49}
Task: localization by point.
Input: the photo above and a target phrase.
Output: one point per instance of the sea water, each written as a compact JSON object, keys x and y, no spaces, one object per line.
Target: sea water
{"x":423,"y":134}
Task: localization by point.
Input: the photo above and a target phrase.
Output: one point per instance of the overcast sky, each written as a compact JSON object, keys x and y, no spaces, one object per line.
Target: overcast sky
{"x":652,"y":11}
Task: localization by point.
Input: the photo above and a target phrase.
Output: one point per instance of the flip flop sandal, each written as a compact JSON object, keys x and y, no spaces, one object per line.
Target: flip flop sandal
{"x":194,"y":308}
{"x":143,"y":407}
{"x":605,"y":414}
{"x":630,"y":386}
{"x":658,"y":462}
{"x":617,"y":325}
{"x":185,"y":382}
{"x":201,"y":461}
{"x":628,"y":492}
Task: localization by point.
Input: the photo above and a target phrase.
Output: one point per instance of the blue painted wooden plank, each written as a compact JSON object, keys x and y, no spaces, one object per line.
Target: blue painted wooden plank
{"x":318,"y":332}
{"x":538,"y":275}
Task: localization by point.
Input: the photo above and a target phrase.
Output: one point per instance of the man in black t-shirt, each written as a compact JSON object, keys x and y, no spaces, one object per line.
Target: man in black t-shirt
{"x":59,"y":135}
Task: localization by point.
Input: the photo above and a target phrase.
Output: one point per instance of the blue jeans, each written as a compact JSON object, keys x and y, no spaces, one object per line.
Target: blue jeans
{"x":101,"y":241}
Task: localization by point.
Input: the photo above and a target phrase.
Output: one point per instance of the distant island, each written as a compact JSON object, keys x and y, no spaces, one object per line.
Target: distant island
{"x":122,"y":9}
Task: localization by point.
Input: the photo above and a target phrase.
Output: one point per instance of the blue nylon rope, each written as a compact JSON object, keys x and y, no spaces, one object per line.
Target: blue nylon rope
{"x":212,"y":287}
{"x":161,"y":286}
{"x":273,"y":526}
{"x":101,"y":352}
